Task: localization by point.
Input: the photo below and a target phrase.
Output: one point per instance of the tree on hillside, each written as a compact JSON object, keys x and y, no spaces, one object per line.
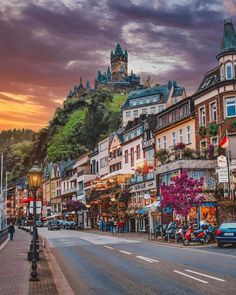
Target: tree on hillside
{"x":182,"y":193}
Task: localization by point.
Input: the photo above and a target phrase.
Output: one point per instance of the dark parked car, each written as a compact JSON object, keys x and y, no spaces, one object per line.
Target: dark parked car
{"x":39,"y":223}
{"x":226,"y":234}
{"x":53,"y":224}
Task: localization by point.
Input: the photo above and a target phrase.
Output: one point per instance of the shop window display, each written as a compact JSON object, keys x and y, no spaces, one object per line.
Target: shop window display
{"x":208,"y":214}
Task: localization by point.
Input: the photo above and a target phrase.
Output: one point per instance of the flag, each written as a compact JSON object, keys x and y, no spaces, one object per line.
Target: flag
{"x":224,"y":142}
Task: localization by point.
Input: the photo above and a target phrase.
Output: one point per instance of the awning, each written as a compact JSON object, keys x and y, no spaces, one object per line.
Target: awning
{"x":124,"y":173}
{"x":27,"y":200}
{"x":142,"y":211}
{"x":153,"y":205}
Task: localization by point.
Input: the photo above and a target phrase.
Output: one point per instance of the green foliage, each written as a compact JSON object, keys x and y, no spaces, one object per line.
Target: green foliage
{"x":213,"y":129}
{"x":63,"y":144}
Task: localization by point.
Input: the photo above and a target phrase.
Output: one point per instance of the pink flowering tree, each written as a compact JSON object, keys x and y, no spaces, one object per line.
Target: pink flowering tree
{"x":182,"y":193}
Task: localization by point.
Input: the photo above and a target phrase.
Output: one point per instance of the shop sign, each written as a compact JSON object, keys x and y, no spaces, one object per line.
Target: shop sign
{"x":38,"y":207}
{"x":146,"y":196}
{"x":222,"y":161}
{"x":223,"y":174}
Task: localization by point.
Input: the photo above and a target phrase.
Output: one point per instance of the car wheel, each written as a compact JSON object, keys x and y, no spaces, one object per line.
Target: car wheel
{"x":220,"y":245}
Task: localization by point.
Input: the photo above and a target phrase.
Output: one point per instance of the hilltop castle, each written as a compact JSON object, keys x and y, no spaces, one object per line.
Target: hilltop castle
{"x":116,"y":77}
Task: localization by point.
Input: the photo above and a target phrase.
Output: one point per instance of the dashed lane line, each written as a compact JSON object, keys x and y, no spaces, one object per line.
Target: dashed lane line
{"x":108,"y":247}
{"x":191,"y":277}
{"x":204,"y":275}
{"x":147,"y":259}
{"x":125,"y":252}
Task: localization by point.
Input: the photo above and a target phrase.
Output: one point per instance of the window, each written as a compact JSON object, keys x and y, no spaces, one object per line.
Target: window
{"x":126,"y":156}
{"x":222,"y":72}
{"x":159,"y":143}
{"x":161,"y":108}
{"x":103,"y":162}
{"x":230,"y":104}
{"x":133,"y":103}
{"x":164,"y":142}
{"x":188,"y":134}
{"x":148,"y":134}
{"x":144,"y":111}
{"x":153,"y":110}
{"x":174,"y":138}
{"x":214,"y":142}
{"x":138,"y":151}
{"x":128,"y":114}
{"x":135,"y":113}
{"x":213,"y":112}
{"x":132,"y":157}
{"x":103,"y":146}
{"x":202,"y":116}
{"x":203,"y":146}
{"x":180,"y":135}
{"x":141,"y":101}
{"x":147,"y":100}
{"x":228,"y":71}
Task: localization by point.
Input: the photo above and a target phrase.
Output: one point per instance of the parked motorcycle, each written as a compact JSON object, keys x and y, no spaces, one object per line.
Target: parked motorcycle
{"x":179,"y":235}
{"x":210,"y":233}
{"x":192,"y":236}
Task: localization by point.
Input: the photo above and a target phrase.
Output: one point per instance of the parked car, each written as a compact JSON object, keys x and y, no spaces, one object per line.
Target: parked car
{"x":226,"y":234}
{"x":69,"y":224}
{"x":39,"y":223}
{"x":53,"y":224}
{"x":61,"y":222}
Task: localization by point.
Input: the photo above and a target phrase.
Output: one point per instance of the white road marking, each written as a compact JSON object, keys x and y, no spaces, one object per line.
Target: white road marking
{"x":204,"y":275}
{"x":125,"y":252}
{"x":109,"y":247}
{"x":147,"y":259}
{"x":184,"y":274}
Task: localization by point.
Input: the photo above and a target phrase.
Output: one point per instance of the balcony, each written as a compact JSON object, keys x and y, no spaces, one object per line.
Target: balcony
{"x":148,"y":143}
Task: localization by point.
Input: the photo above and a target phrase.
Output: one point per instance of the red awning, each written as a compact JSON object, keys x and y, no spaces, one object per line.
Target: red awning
{"x":27,"y":200}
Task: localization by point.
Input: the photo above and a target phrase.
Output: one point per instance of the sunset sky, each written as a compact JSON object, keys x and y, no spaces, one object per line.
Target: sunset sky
{"x":46,"y":45}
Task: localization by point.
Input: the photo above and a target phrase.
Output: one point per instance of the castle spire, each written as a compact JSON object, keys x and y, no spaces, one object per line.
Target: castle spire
{"x":108,"y":73}
{"x":228,"y":43}
{"x":80,"y":81}
{"x":88,"y":85}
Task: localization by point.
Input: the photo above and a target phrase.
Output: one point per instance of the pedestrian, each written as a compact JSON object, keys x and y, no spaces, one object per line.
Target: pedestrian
{"x":11,"y":230}
{"x":112,"y":226}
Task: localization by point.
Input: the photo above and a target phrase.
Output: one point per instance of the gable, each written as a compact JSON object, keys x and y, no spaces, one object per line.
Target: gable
{"x":115,"y":142}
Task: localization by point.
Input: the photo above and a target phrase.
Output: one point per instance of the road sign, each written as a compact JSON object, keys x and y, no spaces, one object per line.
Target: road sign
{"x":222,"y":161}
{"x":38,"y":207}
{"x":223,"y":174}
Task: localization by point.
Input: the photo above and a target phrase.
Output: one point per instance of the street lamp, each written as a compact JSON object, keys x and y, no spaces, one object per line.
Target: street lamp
{"x":34,"y":182}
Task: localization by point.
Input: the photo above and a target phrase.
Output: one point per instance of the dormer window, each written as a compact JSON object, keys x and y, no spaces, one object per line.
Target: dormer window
{"x":228,"y":71}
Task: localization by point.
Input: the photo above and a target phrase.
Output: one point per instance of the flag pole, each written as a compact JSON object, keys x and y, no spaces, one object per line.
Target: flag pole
{"x":228,"y":166}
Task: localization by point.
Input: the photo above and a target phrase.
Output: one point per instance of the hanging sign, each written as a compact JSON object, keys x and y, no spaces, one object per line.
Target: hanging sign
{"x":223,"y":174}
{"x":222,"y":161}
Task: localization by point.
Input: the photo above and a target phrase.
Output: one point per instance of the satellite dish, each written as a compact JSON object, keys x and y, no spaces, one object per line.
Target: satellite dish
{"x":146,"y":196}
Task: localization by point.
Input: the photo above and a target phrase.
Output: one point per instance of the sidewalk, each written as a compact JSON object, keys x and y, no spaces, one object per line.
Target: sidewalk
{"x":15,"y":269}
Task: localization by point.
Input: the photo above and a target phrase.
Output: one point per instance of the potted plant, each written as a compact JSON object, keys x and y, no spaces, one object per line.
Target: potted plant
{"x":180,"y":146}
{"x":162,"y":155}
{"x":188,"y":153}
{"x":202,"y":131}
{"x":213,"y":129}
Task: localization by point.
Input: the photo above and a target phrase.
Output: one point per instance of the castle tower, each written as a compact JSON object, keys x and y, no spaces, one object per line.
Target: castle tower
{"x":227,"y":55}
{"x":119,"y":64}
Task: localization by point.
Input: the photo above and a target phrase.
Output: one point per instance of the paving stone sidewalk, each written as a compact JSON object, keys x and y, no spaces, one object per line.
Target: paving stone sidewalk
{"x":15,"y":269}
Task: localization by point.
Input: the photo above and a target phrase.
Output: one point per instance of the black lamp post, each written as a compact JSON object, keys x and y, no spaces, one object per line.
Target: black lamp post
{"x":34,"y":181}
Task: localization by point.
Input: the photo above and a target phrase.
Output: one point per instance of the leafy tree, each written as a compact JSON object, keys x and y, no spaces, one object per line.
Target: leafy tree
{"x":182,"y":193}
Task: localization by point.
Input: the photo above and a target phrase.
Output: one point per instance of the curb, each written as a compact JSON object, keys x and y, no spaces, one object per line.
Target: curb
{"x":4,"y":244}
{"x":62,"y":285}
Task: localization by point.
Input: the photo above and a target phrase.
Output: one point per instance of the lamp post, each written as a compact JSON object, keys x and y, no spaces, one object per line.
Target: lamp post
{"x":34,"y":182}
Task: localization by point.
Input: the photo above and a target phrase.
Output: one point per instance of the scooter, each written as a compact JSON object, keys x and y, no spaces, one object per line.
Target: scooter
{"x":210,"y":234}
{"x":192,"y":236}
{"x":179,"y":235}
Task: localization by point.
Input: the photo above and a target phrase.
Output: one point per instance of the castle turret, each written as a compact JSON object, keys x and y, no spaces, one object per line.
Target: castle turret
{"x":88,"y":85}
{"x":119,"y":64}
{"x":227,"y":54}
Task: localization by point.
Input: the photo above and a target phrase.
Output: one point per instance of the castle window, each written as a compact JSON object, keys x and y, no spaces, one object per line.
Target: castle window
{"x":135,"y":113}
{"x":144,"y":111}
{"x":228,"y":71}
{"x":222,"y":72}
{"x":202,"y":116}
{"x":188,"y":134}
{"x":230,"y":107}
{"x":128,"y":114}
{"x":213,"y":112}
{"x":164,"y":142}
{"x":153,"y":110}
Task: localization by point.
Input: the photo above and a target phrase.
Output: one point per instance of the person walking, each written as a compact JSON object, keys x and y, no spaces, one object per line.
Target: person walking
{"x":11,"y":230}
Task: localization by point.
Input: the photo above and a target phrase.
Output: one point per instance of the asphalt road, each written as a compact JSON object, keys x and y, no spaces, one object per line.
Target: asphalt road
{"x":107,"y":265}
